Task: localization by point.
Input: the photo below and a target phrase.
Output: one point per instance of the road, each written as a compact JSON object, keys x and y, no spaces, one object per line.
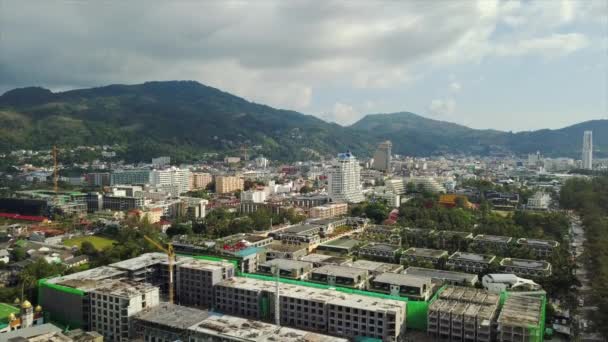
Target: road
{"x":581,"y":319}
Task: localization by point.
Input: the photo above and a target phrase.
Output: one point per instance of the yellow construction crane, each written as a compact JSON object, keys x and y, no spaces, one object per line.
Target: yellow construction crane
{"x":171,"y":255}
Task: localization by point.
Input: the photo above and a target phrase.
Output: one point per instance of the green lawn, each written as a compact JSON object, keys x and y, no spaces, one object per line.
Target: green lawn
{"x":98,"y":242}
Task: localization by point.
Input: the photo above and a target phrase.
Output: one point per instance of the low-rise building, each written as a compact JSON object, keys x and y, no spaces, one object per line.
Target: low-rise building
{"x":520,"y":319}
{"x":423,"y":255}
{"x":228,"y":184}
{"x":525,"y":267}
{"x":453,"y":240}
{"x":298,"y":234}
{"x":540,"y":248}
{"x":341,"y":246}
{"x":343,"y":276}
{"x":278,"y":250}
{"x":380,"y":251}
{"x":319,"y":260}
{"x":470,"y":262}
{"x":413,"y":287}
{"x":374,"y":267}
{"x":329,"y":210}
{"x":442,"y":277}
{"x":288,"y":268}
{"x":539,"y":201}
{"x":492,"y":242}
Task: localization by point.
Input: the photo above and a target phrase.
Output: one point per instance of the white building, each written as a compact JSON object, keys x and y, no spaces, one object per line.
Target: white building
{"x":172,"y":179}
{"x":255,"y":196}
{"x":344,"y":180}
{"x":261,"y":162}
{"x":540,"y":201}
{"x":115,"y":302}
{"x":588,"y":150}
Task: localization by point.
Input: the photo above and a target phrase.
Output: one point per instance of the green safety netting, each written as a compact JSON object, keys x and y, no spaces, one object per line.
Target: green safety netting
{"x":57,"y":317}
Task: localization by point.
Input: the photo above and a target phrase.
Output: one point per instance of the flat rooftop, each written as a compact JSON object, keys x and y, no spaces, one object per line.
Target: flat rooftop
{"x":441,"y":274}
{"x":374,"y":266}
{"x":521,"y":311}
{"x":315,"y":294}
{"x":246,"y":237}
{"x":403,"y":279}
{"x":340,"y":271}
{"x":493,"y":238}
{"x":201,"y":264}
{"x":287,"y":264}
{"x":283,"y":247}
{"x":322,"y":222}
{"x":171,"y":315}
{"x":538,"y":242}
{"x":87,"y":280}
{"x":123,"y":288}
{"x":299,"y":229}
{"x":453,"y":233}
{"x":425,"y":252}
{"x":384,"y":247}
{"x":255,"y":331}
{"x":482,"y":258}
{"x":342,"y":243}
{"x":535,"y":264}
{"x":142,"y":261}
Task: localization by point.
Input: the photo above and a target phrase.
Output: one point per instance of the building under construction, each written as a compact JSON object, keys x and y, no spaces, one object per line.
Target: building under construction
{"x":463,"y":314}
{"x":518,"y":314}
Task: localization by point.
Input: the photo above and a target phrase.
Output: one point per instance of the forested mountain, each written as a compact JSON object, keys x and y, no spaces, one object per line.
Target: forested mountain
{"x":185,"y":119}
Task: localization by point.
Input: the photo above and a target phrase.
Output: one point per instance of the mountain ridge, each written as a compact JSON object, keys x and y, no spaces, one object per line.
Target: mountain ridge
{"x":187,"y":118}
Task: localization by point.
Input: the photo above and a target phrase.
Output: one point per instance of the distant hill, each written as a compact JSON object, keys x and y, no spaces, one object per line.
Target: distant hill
{"x":412,"y":134}
{"x":179,"y":118}
{"x":185,"y":119}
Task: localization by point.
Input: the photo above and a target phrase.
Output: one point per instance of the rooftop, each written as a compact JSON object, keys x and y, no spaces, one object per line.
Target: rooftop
{"x":256,"y":331}
{"x":142,"y":261}
{"x":201,"y":264}
{"x":441,"y":274}
{"x":322,"y":222}
{"x":493,"y":238}
{"x":283,"y":247}
{"x":452,"y":233}
{"x":340,"y":271}
{"x":521,"y":311}
{"x":87,"y":280}
{"x":287,"y":264}
{"x":300,"y":229}
{"x":374,"y":266}
{"x":171,"y":315}
{"x":344,"y":243}
{"x":425,"y":252}
{"x":536,"y":264}
{"x":384,"y":247}
{"x":315,"y":294}
{"x":123,"y":288}
{"x":403,"y":279}
{"x":538,"y":242}
{"x":484,"y":258}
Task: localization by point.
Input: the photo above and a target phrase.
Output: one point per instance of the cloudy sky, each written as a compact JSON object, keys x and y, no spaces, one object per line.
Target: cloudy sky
{"x":510,"y":65}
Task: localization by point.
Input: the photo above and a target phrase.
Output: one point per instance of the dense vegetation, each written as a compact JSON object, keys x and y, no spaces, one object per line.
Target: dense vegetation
{"x":187,"y":120}
{"x":590,"y":199}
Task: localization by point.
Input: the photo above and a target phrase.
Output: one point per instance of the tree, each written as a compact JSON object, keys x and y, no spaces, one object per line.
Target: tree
{"x":87,"y":248}
{"x":305,"y":189}
{"x":18,"y":253}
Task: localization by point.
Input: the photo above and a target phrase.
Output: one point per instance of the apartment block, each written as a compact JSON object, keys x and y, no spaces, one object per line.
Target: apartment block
{"x":540,"y":248}
{"x":526,"y":268}
{"x":470,"y":262}
{"x":328,"y":311}
{"x":463,"y":314}
{"x":453,"y":240}
{"x":343,"y":276}
{"x":302,"y":233}
{"x":135,"y":176}
{"x":115,"y":302}
{"x":519,"y":319}
{"x":329,"y":210}
{"x":287,"y":268}
{"x":423,"y":255}
{"x":342,"y":246}
{"x":375,"y":267}
{"x":493,"y":242}
{"x":319,"y":260}
{"x":228,"y":184}
{"x":380,"y":251}
{"x":194,"y":281}
{"x":403,"y":285}
{"x":200,"y":180}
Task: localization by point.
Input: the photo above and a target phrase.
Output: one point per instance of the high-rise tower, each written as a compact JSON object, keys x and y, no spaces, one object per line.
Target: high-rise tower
{"x":344,"y":181}
{"x":382,"y":157}
{"x":588,"y":150}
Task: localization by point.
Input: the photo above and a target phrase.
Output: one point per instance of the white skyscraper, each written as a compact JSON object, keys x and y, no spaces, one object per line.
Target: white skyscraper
{"x":344,"y":180}
{"x":588,"y":150}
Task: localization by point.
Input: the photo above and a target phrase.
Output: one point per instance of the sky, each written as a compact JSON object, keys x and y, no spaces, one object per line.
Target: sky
{"x":508,"y":65}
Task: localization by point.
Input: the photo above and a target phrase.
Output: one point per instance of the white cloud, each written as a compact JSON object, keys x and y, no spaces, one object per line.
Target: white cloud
{"x":455,"y":87}
{"x":442,"y":108}
{"x":344,"y":114}
{"x":549,"y":46}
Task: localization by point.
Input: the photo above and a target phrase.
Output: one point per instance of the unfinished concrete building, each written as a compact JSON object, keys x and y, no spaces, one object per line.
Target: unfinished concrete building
{"x":463,"y":314}
{"x":194,"y":280}
{"x":520,"y":319}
